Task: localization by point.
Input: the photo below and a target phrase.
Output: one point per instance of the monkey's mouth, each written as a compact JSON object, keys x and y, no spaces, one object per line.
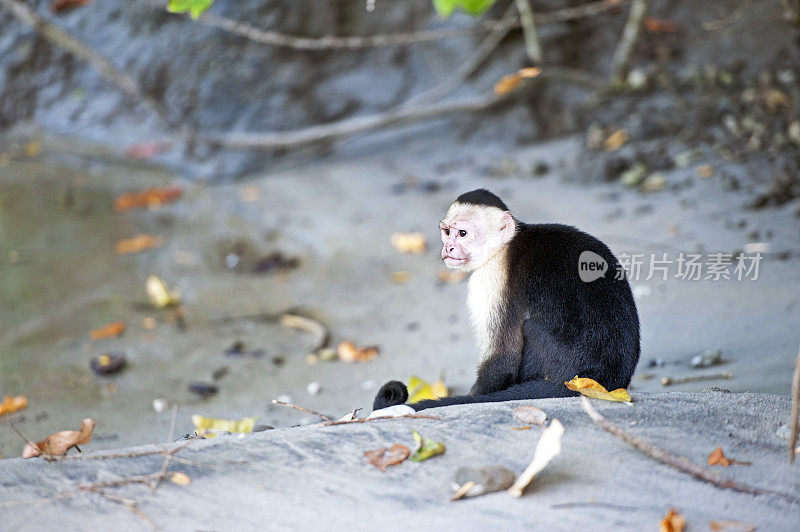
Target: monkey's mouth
{"x":453,"y":260}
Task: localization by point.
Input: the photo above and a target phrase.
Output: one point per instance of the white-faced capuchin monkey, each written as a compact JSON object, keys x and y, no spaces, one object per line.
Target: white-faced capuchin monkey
{"x":537,"y":322}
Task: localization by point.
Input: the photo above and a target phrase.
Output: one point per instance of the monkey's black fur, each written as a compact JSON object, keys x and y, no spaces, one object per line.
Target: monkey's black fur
{"x":554,"y":326}
{"x":482,"y":196}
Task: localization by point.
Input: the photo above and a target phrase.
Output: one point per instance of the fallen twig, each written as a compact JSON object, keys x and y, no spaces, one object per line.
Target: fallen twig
{"x":129,"y":504}
{"x":308,"y":325}
{"x":79,"y":49}
{"x":666,"y":381}
{"x":167,"y":457}
{"x":630,"y":34}
{"x":110,"y":456}
{"x":355,"y":42}
{"x":794,"y":423}
{"x":680,"y":463}
{"x":302,"y":409}
{"x":21,"y":435}
{"x":365,"y":419}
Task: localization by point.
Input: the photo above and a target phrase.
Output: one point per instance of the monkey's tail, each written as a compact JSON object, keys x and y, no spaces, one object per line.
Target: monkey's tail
{"x":395,"y":393}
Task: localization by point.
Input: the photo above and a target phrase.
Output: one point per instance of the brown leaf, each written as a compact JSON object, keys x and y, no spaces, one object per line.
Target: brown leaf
{"x":660,"y":25}
{"x":348,"y":352}
{"x":61,"y":5}
{"x":451,"y":276}
{"x":11,"y":404}
{"x":146,"y":150}
{"x":111,"y":330}
{"x":150,"y":199}
{"x":672,"y":522}
{"x":383,"y":457}
{"x":615,"y":140}
{"x":717,"y":457}
{"x":734,"y":526}
{"x":137,"y":243}
{"x":510,"y":82}
{"x":60,"y":442}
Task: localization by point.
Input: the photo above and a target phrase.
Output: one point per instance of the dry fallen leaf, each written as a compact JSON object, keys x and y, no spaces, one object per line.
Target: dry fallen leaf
{"x":150,"y":199}
{"x":705,"y":171}
{"x":60,"y":442}
{"x":530,"y":414}
{"x":419,"y":390}
{"x":659,"y":25}
{"x":149,"y":149}
{"x":211,"y":427}
{"x":510,"y":82}
{"x":615,"y":141}
{"x":181,"y":479}
{"x":672,"y":522}
{"x":717,"y":457}
{"x":160,"y":294}
{"x":400,"y":277}
{"x":11,"y":404}
{"x":33,"y":148}
{"x":409,"y":242}
{"x":591,"y":388}
{"x":111,"y":330}
{"x":350,"y":416}
{"x":348,"y":352}
{"x":549,"y":447}
{"x":451,"y":276}
{"x":425,"y":447}
{"x":383,"y":457}
{"x":733,"y":526}
{"x":138,"y":243}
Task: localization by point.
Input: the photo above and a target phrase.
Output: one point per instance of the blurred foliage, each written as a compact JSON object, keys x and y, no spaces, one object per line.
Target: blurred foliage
{"x":445,"y":8}
{"x":195,"y":8}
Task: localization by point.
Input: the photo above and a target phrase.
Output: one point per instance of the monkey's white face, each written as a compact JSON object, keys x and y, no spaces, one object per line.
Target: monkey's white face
{"x":472,"y":234}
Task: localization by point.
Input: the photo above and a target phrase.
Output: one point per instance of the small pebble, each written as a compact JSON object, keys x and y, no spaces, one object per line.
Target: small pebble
{"x":202,"y":389}
{"x":712,"y":357}
{"x":160,"y":404}
{"x":313,"y":388}
{"x":262,"y":428}
{"x":232,"y":260}
{"x":284,"y":398}
{"x":108,"y":363}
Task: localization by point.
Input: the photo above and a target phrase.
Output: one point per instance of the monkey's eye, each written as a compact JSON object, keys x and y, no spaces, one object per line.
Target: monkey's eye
{"x":462,"y":233}
{"x":446,"y":231}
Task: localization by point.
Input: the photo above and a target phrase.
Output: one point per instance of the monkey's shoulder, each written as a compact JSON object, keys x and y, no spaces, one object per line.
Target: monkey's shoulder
{"x":554,"y":246}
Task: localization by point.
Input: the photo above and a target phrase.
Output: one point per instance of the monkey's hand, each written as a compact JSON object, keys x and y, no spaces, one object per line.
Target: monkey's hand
{"x":392,"y":411}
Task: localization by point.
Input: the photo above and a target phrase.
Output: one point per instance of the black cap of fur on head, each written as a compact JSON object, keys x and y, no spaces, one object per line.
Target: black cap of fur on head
{"x":392,"y":393}
{"x":482,"y":196}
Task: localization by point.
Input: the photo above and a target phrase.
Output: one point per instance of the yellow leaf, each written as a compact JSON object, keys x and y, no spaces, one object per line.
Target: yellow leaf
{"x":11,"y":404}
{"x":419,"y":390}
{"x":591,"y":388}
{"x":616,"y":140}
{"x":672,"y":522}
{"x":210,"y":427}
{"x":181,"y":479}
{"x":160,"y":294}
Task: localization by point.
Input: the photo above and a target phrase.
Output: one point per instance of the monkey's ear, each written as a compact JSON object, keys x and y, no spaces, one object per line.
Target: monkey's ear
{"x":508,"y":227}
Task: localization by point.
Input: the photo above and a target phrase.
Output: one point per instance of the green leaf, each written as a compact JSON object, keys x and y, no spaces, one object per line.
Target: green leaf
{"x":445,"y":8}
{"x":425,"y":448}
{"x":195,"y":8}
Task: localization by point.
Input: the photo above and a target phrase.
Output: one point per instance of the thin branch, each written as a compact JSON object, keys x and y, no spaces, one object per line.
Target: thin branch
{"x":110,"y":456}
{"x":353,"y":42}
{"x":630,"y":34}
{"x":680,"y":463}
{"x":395,"y":116}
{"x":167,"y":457}
{"x":79,"y":49}
{"x":794,"y":423}
{"x":366,"y":419}
{"x":532,"y":46}
{"x":302,"y":409}
{"x":666,"y":381}
{"x":129,"y":504}
{"x":20,"y":434}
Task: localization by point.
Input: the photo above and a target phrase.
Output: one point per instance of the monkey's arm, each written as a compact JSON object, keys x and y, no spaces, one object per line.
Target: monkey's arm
{"x":500,"y":369}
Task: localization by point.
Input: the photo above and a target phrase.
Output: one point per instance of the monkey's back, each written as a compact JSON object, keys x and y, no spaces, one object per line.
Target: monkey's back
{"x":571,"y":327}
